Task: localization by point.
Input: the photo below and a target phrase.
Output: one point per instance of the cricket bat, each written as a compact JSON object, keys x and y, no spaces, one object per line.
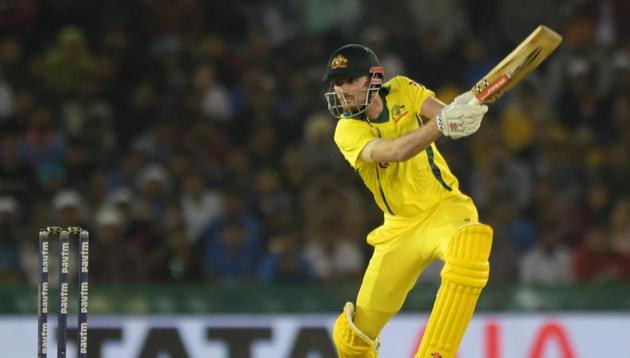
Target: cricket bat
{"x":525,"y":58}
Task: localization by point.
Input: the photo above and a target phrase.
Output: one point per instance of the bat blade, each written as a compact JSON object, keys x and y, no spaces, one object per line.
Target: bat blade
{"x":525,"y":58}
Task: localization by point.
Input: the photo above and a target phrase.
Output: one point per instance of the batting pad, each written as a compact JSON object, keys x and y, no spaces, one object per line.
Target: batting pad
{"x":464,"y":275}
{"x":349,"y":340}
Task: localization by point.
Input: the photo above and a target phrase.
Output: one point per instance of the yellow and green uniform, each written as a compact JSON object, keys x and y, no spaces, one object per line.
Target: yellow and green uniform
{"x":420,"y":198}
{"x":401,"y":189}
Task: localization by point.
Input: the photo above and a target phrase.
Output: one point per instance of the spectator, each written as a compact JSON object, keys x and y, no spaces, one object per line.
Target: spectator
{"x":271,"y":200}
{"x":319,"y":150}
{"x":232,"y":244}
{"x":118,"y":261}
{"x":200,"y":207}
{"x":17,"y":177}
{"x":595,"y":259}
{"x":70,"y":63}
{"x":501,"y":173}
{"x":620,"y":233}
{"x":285,"y":261}
{"x":10,"y":258}
{"x":156,"y":144}
{"x":334,"y":256}
{"x":548,"y":262}
{"x":69,"y":209}
{"x":509,"y":225}
{"x":175,"y":260}
{"x":153,"y":185}
{"x":213,"y":96}
{"x":43,"y":143}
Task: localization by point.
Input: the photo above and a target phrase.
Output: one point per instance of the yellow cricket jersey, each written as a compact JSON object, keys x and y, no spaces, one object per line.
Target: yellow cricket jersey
{"x":401,"y":188}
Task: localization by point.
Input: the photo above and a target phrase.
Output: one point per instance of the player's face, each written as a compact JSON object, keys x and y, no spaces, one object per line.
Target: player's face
{"x":352,"y":96}
{"x":351,"y":92}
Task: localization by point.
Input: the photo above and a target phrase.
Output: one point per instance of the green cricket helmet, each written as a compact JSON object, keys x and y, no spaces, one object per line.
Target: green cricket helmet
{"x":352,"y":61}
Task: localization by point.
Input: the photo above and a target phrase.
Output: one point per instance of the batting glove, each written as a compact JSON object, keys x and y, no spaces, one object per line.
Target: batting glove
{"x":459,"y":120}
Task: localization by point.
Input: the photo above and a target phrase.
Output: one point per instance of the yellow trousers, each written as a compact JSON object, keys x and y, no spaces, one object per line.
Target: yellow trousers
{"x":403,"y":248}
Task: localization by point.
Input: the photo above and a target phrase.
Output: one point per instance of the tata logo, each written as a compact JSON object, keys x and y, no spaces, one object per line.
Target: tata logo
{"x":398,"y":112}
{"x":340,"y":61}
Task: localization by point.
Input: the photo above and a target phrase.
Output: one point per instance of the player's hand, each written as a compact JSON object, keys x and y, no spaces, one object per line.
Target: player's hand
{"x":459,"y":119}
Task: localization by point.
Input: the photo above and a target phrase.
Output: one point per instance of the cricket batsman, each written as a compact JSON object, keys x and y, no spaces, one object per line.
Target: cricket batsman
{"x":386,"y":131}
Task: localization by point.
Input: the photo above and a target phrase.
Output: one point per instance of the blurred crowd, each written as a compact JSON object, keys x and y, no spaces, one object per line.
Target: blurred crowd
{"x":192,"y":139}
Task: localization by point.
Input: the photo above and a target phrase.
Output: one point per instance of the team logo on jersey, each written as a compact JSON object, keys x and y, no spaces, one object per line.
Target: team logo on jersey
{"x":340,"y":61}
{"x":398,"y":112}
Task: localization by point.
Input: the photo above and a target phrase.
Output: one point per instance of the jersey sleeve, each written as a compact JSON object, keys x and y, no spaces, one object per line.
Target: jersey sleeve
{"x":416,"y":92}
{"x":351,"y":136}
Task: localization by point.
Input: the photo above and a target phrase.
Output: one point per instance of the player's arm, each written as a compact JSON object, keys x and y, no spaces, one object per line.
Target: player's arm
{"x":456,"y":120}
{"x":410,"y":144}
